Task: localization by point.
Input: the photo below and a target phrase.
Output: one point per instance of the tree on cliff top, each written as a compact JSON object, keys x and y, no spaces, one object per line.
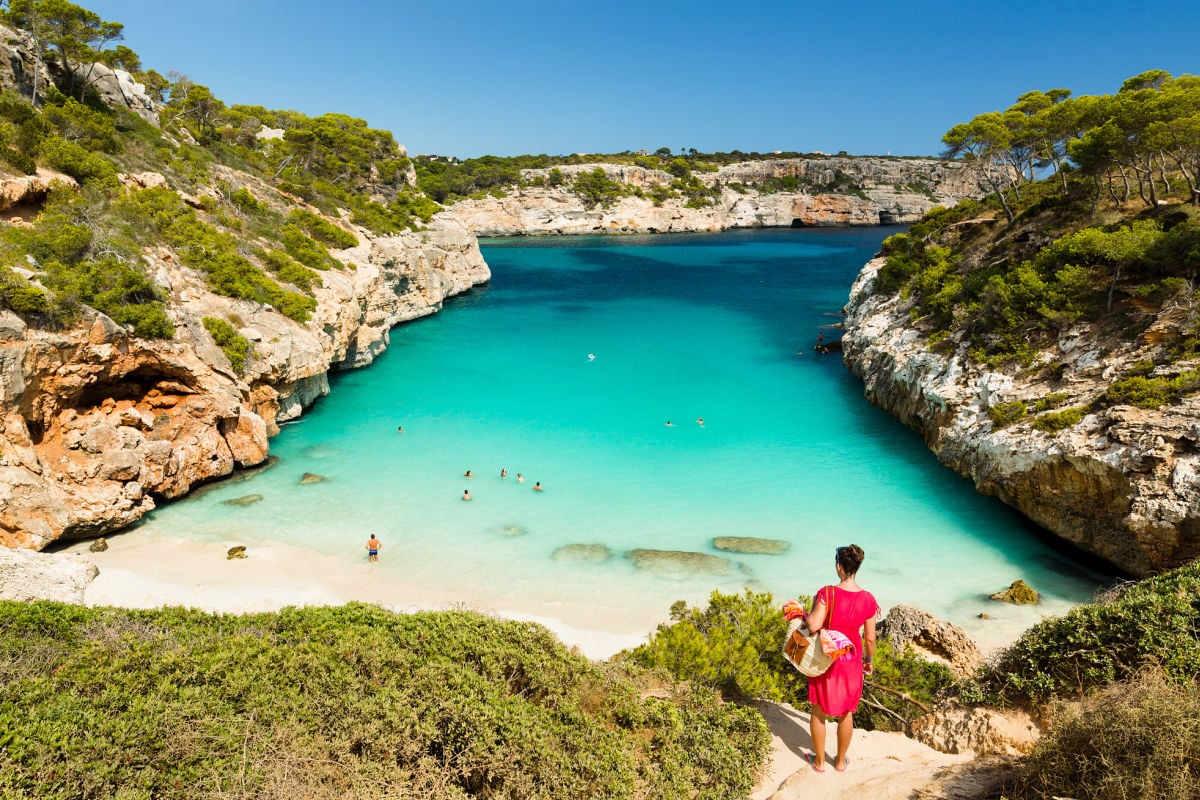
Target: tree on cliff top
{"x":73,"y":33}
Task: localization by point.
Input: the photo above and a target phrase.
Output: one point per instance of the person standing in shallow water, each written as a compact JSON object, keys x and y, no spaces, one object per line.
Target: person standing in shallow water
{"x":852,"y":610}
{"x":373,"y":546}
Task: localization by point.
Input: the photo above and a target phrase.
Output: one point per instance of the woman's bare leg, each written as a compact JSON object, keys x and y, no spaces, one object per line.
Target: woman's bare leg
{"x":816,"y":727}
{"x":845,"y":729}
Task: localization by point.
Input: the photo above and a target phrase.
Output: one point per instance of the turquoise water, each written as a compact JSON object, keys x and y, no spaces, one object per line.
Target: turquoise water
{"x":681,"y":328}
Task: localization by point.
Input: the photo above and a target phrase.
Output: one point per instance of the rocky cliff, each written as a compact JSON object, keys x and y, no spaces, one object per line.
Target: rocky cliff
{"x":1123,"y":483}
{"x":829,"y":191}
{"x":98,"y":425}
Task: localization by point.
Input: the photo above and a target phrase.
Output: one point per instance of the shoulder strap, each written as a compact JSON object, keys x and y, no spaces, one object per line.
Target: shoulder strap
{"x":831,"y":592}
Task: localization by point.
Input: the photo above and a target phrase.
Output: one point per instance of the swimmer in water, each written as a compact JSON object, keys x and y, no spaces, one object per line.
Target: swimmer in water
{"x":520,"y":478}
{"x":468,"y":474}
{"x":670,"y":424}
{"x":700,"y":421}
{"x":503,"y":472}
{"x":591,"y":356}
{"x":466,"y":494}
{"x":537,"y":487}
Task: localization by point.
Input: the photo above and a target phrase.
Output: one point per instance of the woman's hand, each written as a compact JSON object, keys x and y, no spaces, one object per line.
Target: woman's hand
{"x":868,"y":667}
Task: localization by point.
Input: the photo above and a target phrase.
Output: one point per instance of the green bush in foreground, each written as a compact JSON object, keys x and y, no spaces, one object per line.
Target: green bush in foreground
{"x":1153,"y":621}
{"x":1134,"y":739}
{"x":735,"y":645}
{"x":351,"y":701}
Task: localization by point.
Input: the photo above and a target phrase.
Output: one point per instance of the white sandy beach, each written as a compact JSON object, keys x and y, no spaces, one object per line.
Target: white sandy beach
{"x":142,"y":571}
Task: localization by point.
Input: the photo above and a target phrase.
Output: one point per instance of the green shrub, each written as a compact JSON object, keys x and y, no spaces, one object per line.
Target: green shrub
{"x":1155,"y":620}
{"x":235,"y":346}
{"x":595,"y":188}
{"x":289,"y":270}
{"x":1005,"y":414}
{"x":78,"y":162}
{"x":247,"y":202}
{"x":735,"y":645}
{"x":20,"y":295}
{"x":351,"y":701}
{"x":322,"y":230}
{"x":1141,"y":392}
{"x":1137,"y":738}
{"x":305,"y":249}
{"x":153,"y":213}
{"x":1052,"y":400}
{"x":1056,"y":421}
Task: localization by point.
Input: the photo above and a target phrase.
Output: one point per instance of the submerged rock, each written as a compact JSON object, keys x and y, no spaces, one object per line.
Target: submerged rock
{"x":1019,"y":592}
{"x":237,"y":551}
{"x":680,"y":561}
{"x":590,"y":553}
{"x":311,"y":477}
{"x":749,"y":544}
{"x":244,"y":500}
{"x":511,"y":529}
{"x":98,"y":546}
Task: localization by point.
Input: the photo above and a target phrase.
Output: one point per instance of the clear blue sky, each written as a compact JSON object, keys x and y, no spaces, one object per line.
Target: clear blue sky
{"x":505,"y":77}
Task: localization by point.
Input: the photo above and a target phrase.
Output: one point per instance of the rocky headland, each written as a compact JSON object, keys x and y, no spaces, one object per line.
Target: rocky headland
{"x":830,"y":190}
{"x":1122,"y":484}
{"x":98,"y":425}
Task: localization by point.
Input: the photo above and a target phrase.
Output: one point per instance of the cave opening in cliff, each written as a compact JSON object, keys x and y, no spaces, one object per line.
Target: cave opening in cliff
{"x":798,"y":223}
{"x":131,"y":386}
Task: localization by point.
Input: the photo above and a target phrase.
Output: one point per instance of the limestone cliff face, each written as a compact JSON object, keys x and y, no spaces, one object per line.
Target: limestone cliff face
{"x":834,"y":191}
{"x":98,"y":425}
{"x":1123,"y":484}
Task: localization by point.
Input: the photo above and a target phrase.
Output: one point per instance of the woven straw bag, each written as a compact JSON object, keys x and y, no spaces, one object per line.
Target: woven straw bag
{"x":803,"y":649}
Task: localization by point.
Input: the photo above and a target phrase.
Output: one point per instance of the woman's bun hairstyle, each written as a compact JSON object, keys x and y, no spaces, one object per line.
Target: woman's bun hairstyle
{"x":850,"y":558}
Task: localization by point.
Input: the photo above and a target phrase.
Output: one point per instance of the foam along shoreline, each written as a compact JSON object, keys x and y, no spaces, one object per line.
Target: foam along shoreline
{"x":143,"y":571}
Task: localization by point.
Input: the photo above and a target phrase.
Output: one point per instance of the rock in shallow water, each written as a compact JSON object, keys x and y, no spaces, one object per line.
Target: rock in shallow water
{"x":750,"y":544}
{"x":680,"y":561}
{"x":311,"y":477}
{"x":1020,"y":593}
{"x":244,"y":500}
{"x":511,"y":529}
{"x":590,"y":553}
{"x":237,"y":551}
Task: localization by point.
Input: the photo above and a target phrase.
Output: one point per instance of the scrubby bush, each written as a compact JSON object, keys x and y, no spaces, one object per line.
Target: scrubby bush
{"x":1137,"y":738}
{"x":247,"y":202}
{"x":20,"y":295}
{"x":351,"y":701}
{"x":235,"y":346}
{"x":1152,"y":392}
{"x":735,"y":645}
{"x":1056,"y":421}
{"x":1005,"y":414}
{"x":78,"y":162}
{"x":290,"y":271}
{"x":322,"y":230}
{"x":1155,"y":620}
{"x":595,"y":188}
{"x":305,"y":249}
{"x":158,"y":214}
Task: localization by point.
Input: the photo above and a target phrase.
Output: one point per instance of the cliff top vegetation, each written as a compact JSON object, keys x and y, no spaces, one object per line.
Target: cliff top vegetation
{"x":253,"y":199}
{"x":1093,"y":220}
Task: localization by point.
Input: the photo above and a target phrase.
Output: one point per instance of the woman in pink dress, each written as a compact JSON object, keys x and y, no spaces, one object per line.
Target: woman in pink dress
{"x":847,"y":608}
